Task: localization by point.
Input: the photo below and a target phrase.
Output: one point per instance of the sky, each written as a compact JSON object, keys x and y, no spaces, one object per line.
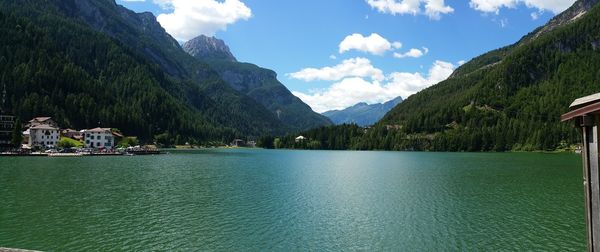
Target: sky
{"x":333,"y":54}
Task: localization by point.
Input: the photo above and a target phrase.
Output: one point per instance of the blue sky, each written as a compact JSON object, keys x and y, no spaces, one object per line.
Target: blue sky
{"x":335,"y":53}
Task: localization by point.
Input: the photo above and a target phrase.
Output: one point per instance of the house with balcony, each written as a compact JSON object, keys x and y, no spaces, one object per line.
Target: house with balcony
{"x":43,"y":136}
{"x":99,"y":138}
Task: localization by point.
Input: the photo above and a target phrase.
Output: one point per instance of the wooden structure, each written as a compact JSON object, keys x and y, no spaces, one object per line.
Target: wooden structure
{"x":585,"y":112}
{"x":7,"y":125}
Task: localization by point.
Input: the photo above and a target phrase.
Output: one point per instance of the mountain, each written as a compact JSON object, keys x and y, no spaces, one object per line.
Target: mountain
{"x":511,"y":98}
{"x":258,"y":83}
{"x":507,"y":99}
{"x":204,"y":48}
{"x":362,"y":114}
{"x":91,"y":62}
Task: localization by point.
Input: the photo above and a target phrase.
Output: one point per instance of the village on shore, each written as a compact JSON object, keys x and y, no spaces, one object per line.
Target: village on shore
{"x":44,"y":137}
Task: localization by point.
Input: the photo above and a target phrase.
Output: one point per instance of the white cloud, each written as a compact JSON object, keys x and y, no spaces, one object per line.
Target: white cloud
{"x":412,"y":53}
{"x":350,"y":91}
{"x":373,"y":44}
{"x":333,"y":57}
{"x":503,"y":22}
{"x":134,"y":0}
{"x":192,"y":18}
{"x":494,"y":6}
{"x":433,"y":8}
{"x":356,"y":67}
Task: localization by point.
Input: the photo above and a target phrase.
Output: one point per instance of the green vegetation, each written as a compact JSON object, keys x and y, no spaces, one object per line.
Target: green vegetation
{"x":128,"y":142}
{"x":17,"y":135}
{"x":262,"y":85}
{"x":56,"y":65}
{"x":510,"y":99}
{"x":66,"y":143}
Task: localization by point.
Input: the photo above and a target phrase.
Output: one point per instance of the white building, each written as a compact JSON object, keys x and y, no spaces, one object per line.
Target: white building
{"x":99,"y":138}
{"x":300,"y":139}
{"x":43,"y":136}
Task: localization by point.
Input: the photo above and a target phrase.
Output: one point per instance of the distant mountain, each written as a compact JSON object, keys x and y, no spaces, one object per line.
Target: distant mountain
{"x":362,"y":114}
{"x":511,"y":98}
{"x":258,"y":83}
{"x":90,"y":63}
{"x":507,"y":99}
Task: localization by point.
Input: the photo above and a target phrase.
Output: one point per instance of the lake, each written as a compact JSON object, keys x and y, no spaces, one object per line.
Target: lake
{"x":245,"y":199}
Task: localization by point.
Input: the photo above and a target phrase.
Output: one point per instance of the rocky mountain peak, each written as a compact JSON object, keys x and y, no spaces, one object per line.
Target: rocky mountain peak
{"x":203,"y":47}
{"x":573,"y":13}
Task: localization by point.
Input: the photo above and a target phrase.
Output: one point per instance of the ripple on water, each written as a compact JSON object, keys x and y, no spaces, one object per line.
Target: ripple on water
{"x":294,"y":200}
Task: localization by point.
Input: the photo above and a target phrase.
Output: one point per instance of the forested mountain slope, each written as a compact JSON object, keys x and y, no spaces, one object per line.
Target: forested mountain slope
{"x":91,"y":62}
{"x":258,"y":83}
{"x":507,"y":99}
{"x":512,"y":98}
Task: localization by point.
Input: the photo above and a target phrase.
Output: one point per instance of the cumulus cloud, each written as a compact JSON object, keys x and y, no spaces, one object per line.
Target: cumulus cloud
{"x":412,"y":53}
{"x":350,"y":91}
{"x":373,"y":44}
{"x":433,"y":8}
{"x":494,"y":6}
{"x":192,"y":18}
{"x":356,"y":67}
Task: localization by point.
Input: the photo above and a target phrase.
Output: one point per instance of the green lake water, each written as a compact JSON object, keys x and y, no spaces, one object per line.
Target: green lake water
{"x":265,"y":200}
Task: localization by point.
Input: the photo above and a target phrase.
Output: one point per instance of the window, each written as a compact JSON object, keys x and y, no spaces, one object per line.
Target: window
{"x":87,"y":141}
{"x":92,"y":137}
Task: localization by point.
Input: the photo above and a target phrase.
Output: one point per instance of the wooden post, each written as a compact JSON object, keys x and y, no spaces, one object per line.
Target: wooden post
{"x":585,"y":112}
{"x":589,"y":129}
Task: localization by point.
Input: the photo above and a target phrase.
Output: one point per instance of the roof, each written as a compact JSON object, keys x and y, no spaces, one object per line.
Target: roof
{"x":581,"y":102}
{"x":101,"y":130}
{"x":583,"y":106}
{"x":70,"y":130}
{"x":300,"y":137}
{"x":43,"y":127}
{"x":40,"y":119}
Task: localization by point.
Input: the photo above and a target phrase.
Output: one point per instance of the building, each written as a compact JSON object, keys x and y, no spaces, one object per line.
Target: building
{"x":238,"y":143}
{"x":73,"y":134}
{"x":43,"y":136}
{"x":99,"y":138}
{"x":585,"y":113}
{"x":300,"y":139}
{"x":7,"y":125}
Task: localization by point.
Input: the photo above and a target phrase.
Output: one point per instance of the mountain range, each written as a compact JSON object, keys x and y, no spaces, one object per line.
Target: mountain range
{"x":512,"y":98}
{"x":90,"y":63}
{"x":362,"y":114}
{"x":507,"y":99}
{"x":258,"y":83}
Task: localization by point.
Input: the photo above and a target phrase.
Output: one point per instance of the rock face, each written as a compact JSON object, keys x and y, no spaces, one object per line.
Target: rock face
{"x":573,"y":13}
{"x":258,"y":83}
{"x":203,"y":47}
{"x":362,"y":114}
